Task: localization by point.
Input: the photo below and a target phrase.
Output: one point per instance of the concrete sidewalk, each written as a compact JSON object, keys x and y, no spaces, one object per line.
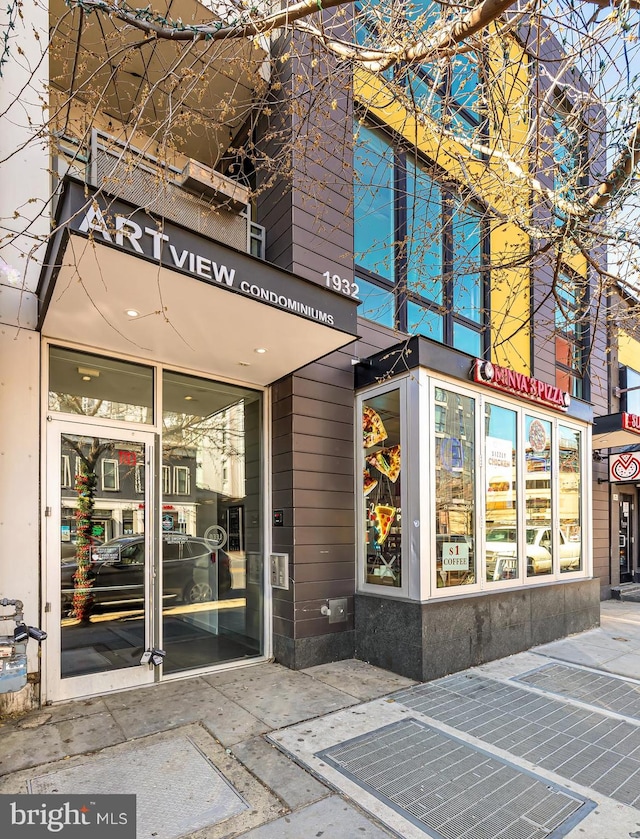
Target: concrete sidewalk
{"x":544,"y":743}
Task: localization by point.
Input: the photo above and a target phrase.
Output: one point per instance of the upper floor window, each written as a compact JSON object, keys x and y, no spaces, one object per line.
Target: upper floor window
{"x":65,"y":471}
{"x":448,"y":90}
{"x":630,"y":389}
{"x":181,"y":480}
{"x":166,"y":480}
{"x":421,"y":246}
{"x":569,"y":153}
{"x":139,"y":477}
{"x":110,"y":475}
{"x":570,"y":335}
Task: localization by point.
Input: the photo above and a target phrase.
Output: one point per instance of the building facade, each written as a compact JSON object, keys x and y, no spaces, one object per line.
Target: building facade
{"x":308,"y":418}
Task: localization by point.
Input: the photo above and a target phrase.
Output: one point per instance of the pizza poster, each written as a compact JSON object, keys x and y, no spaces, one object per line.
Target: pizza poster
{"x":381,"y":487}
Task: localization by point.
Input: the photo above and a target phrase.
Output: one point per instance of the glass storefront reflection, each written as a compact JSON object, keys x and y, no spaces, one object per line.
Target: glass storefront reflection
{"x":96,"y":386}
{"x":570,"y":500}
{"x":211,"y":519}
{"x":103,"y":573}
{"x":501,"y":493}
{"x":538,"y":510}
{"x":455,"y":475}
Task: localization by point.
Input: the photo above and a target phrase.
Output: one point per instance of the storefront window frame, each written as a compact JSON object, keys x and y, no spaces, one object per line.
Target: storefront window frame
{"x":523,"y":409}
{"x":419,"y":409}
{"x":430,"y":517}
{"x":409,"y":574}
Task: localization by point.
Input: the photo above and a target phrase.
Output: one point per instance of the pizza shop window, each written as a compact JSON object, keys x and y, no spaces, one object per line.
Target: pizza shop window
{"x":382,"y":490}
{"x":467,"y":489}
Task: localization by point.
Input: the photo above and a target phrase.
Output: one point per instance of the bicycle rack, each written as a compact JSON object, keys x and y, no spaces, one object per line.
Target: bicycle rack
{"x":13,"y":648}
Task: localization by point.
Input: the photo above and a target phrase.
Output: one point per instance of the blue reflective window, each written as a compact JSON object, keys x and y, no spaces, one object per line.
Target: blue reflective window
{"x":419,"y":245}
{"x":373,"y":202}
{"x":423,"y":321}
{"x":467,"y":263}
{"x":464,"y":87}
{"x":467,"y":340}
{"x":424,"y":234}
{"x":378,"y":304}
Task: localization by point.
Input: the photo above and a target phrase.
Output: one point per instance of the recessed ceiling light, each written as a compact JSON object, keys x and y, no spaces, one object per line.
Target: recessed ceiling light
{"x":188,"y":398}
{"x":244,"y":364}
{"x":132,"y":313}
{"x":86,"y":378}
{"x":260,"y":350}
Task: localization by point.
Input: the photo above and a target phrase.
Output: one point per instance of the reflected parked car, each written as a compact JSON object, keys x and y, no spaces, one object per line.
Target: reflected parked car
{"x":189,"y":568}
{"x":68,"y":549}
{"x":502,"y":550}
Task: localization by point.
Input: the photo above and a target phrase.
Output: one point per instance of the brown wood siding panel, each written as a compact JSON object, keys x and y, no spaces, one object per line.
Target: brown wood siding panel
{"x":282,"y":463}
{"x":314,"y":572}
{"x":283,"y":609}
{"x":315,"y":518}
{"x":282,"y":408}
{"x":319,"y":463}
{"x":338,"y":374}
{"x":314,"y":389}
{"x":282,"y":498}
{"x":326,"y":552}
{"x":320,"y":625}
{"x":312,"y":264}
{"x":282,"y":427}
{"x":324,"y":535}
{"x":327,"y":428}
{"x":331,"y":227}
{"x":283,"y":627}
{"x":323,"y":481}
{"x":324,"y":410}
{"x":324,"y":589}
{"x":327,"y":446}
{"x":325,"y":500}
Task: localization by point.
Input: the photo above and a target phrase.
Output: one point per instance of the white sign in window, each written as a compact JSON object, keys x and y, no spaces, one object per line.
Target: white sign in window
{"x":455,"y":556}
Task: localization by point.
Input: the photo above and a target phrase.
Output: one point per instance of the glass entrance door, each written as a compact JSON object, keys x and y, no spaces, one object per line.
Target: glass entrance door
{"x":211,"y":523}
{"x":625,"y":538}
{"x":98,"y":559}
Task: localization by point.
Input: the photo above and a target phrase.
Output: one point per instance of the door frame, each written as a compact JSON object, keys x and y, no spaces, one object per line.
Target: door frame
{"x":627,"y":495}
{"x":54,"y":687}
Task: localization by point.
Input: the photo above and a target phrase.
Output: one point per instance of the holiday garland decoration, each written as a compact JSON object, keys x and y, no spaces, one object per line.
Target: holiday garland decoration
{"x":82,"y":580}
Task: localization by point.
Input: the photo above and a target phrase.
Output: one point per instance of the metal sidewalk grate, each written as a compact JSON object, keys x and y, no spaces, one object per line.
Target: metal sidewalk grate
{"x":602,"y":691}
{"x":452,"y":790}
{"x":584,"y":746}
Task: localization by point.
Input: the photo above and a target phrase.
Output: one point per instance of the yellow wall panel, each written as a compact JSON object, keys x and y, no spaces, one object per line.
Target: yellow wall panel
{"x":628,"y":350}
{"x":510,"y":298}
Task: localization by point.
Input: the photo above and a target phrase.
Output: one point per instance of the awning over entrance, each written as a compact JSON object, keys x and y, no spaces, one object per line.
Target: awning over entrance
{"x":200,"y":304}
{"x":614,"y":430}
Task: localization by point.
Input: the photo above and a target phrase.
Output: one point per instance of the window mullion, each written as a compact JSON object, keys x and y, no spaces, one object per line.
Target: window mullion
{"x":400,"y":245}
{"x":447,"y":266}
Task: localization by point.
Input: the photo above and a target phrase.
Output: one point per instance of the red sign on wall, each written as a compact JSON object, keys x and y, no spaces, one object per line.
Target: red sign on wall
{"x":509,"y":381}
{"x":631,"y":422}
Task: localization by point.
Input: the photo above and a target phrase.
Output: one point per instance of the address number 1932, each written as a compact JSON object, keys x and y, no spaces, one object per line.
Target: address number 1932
{"x":337,"y":283}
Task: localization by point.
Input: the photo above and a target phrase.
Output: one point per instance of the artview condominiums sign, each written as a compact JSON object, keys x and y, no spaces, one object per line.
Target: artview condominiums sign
{"x":115,"y":223}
